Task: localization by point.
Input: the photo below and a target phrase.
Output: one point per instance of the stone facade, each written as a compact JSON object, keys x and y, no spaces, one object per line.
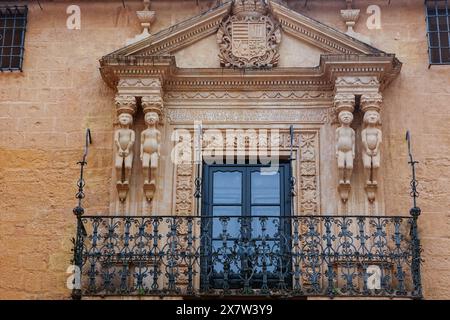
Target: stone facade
{"x":60,"y":93}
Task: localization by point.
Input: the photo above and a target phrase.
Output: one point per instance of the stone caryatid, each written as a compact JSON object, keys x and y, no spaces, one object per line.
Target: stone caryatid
{"x":371,"y":137}
{"x":151,"y":143}
{"x":344,"y":104}
{"x":371,"y":140}
{"x":345,"y":146}
{"x":124,"y":138}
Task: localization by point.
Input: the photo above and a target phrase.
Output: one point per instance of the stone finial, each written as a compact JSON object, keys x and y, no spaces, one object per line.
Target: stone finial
{"x":146,"y":17}
{"x":350,"y":17}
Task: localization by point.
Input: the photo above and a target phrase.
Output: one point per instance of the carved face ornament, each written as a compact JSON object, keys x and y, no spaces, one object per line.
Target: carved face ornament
{"x":372,"y":117}
{"x":125,"y":119}
{"x":346,"y":117}
{"x":151,"y":118}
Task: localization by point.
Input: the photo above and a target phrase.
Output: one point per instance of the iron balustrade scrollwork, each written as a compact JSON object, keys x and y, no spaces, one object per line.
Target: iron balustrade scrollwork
{"x":358,"y":256}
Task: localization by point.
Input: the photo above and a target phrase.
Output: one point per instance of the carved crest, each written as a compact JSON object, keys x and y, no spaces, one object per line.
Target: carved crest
{"x":249,"y":39}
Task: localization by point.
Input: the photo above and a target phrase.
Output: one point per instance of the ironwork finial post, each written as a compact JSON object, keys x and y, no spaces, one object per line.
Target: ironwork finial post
{"x":81,"y":231}
{"x":415,"y":212}
{"x":198,"y":159}
{"x":292,"y":180}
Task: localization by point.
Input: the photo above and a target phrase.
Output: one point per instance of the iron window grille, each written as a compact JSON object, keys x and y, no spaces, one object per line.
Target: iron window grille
{"x":13,"y":21}
{"x":438,"y":31}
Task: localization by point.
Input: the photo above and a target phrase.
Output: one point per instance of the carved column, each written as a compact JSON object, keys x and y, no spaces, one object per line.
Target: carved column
{"x":371,"y":137}
{"x":153,"y":107}
{"x":124,"y":138}
{"x":344,"y":104}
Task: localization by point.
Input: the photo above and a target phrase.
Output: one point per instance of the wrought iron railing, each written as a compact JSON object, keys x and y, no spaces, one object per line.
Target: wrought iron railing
{"x":256,"y":256}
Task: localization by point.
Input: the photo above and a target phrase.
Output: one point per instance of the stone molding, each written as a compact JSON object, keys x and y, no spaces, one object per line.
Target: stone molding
{"x":305,"y":115}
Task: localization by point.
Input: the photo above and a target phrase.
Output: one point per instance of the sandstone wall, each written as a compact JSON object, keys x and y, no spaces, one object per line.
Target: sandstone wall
{"x":46,"y":109}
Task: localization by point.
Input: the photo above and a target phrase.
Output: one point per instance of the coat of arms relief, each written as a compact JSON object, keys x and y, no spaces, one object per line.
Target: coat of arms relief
{"x":249,"y":37}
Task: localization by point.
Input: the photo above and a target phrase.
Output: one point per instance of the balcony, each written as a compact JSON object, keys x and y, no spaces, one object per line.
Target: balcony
{"x":256,"y":256}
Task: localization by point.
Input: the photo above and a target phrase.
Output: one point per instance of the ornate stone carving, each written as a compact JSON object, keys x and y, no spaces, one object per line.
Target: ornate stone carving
{"x":264,"y":95}
{"x":313,"y":115}
{"x":345,"y":152}
{"x":150,"y":153}
{"x":125,"y":104}
{"x":344,"y":102}
{"x":249,"y":38}
{"x":184,"y":189}
{"x":124,"y":139}
{"x":371,"y":140}
{"x":153,"y":103}
{"x":139,"y":83}
{"x":371,"y":101}
{"x":308,"y":186}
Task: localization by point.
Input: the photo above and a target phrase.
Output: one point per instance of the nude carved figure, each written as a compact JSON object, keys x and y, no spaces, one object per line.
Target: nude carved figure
{"x":345,"y":147}
{"x":371,"y":140}
{"x":124,"y":139}
{"x":150,"y":148}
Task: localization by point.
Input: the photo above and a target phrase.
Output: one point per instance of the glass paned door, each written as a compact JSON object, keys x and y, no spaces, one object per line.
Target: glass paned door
{"x":245,"y":234}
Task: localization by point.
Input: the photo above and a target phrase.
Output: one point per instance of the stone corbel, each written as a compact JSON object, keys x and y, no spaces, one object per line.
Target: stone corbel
{"x":344,"y":104}
{"x":153,"y":107}
{"x":371,"y":137}
{"x":124,"y":138}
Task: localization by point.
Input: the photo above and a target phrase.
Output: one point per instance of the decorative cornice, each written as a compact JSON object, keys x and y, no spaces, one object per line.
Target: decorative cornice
{"x":321,"y":78}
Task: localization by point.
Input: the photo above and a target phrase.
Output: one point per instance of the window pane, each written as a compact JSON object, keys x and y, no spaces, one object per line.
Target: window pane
{"x":265,"y":188}
{"x":434,"y":54}
{"x":434,"y":39}
{"x":227,"y":187}
{"x":444,"y":39}
{"x":445,"y":53}
{"x":229,"y":226}
{"x":432,"y":25}
{"x":443,"y":25}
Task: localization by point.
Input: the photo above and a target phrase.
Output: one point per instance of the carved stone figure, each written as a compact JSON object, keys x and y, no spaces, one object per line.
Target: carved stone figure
{"x":124,"y":139}
{"x":371,"y":140}
{"x":150,"y":152}
{"x":345,"y":147}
